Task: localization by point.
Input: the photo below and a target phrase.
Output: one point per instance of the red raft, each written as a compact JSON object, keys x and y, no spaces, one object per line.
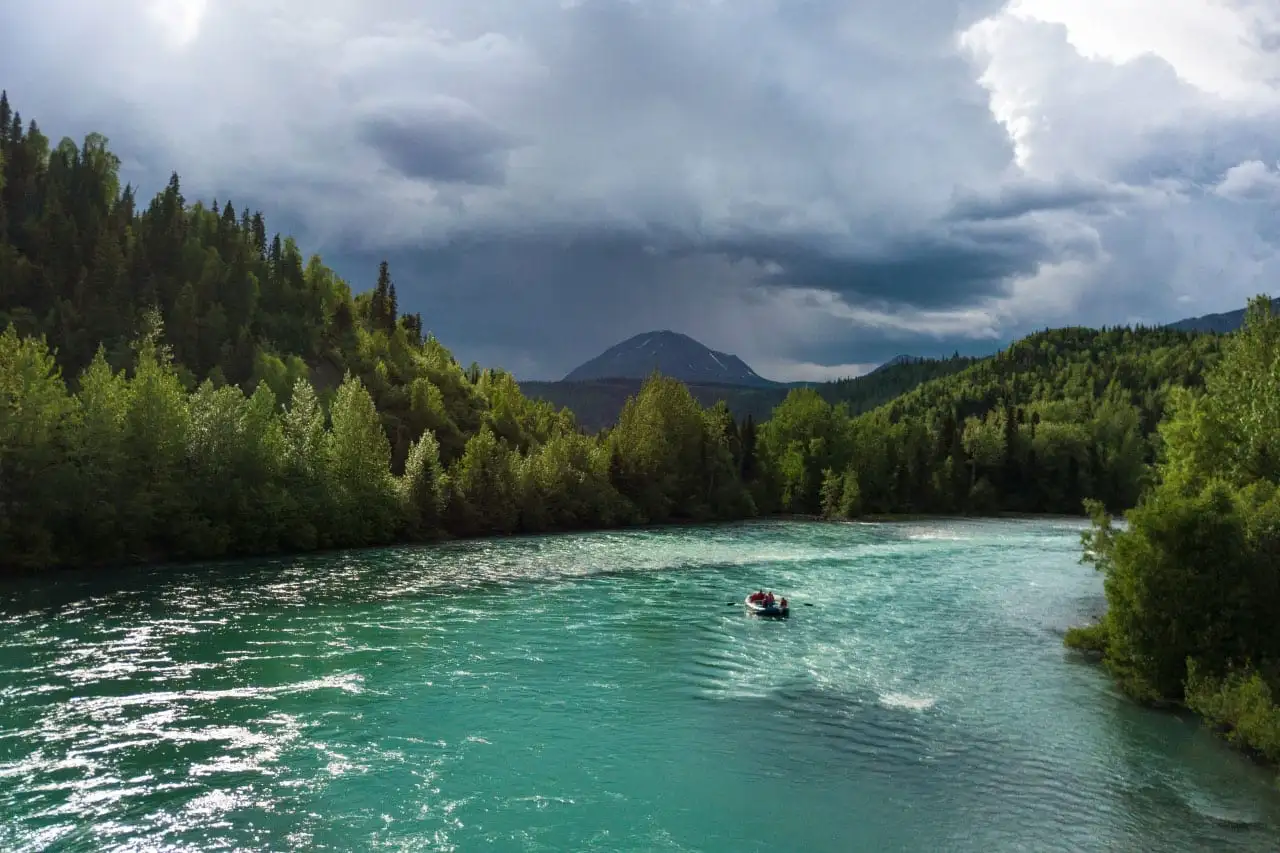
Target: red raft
{"x":759,"y":607}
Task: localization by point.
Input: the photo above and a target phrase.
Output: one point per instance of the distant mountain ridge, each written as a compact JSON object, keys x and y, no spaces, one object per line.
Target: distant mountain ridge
{"x":597,"y":390}
{"x":596,"y":403}
{"x":1227,"y":321}
{"x":671,"y":354}
{"x":899,"y":359}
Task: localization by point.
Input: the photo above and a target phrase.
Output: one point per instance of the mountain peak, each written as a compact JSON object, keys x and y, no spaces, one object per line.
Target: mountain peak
{"x":671,"y":353}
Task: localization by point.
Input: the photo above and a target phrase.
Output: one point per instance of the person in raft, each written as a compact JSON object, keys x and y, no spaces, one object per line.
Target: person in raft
{"x":783,"y":603}
{"x":768,"y":599}
{"x":757,"y":596}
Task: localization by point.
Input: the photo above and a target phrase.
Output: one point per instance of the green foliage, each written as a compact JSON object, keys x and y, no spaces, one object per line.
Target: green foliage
{"x":423,"y":487}
{"x":357,"y":464}
{"x":1241,"y":705}
{"x":132,"y":466}
{"x":805,"y":437}
{"x":566,"y":486}
{"x":485,"y":484}
{"x":1057,"y":418}
{"x":1193,"y":581}
{"x":34,"y":417}
{"x":1232,"y":430}
{"x":672,"y":459}
{"x":840,"y":496}
{"x":1087,"y":638}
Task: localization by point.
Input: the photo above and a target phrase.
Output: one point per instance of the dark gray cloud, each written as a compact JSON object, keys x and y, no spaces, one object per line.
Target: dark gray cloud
{"x":810,"y":185}
{"x":1018,"y":198}
{"x":946,"y":266}
{"x":444,"y":141}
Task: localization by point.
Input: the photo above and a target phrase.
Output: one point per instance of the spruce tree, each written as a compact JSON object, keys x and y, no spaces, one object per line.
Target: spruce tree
{"x":380,"y":303}
{"x":6,"y":116}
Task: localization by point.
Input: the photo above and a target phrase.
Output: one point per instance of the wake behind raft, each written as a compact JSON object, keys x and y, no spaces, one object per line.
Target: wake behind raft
{"x":759,"y":604}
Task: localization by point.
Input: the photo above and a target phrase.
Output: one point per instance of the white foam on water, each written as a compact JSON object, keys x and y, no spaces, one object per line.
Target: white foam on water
{"x":573,"y":558}
{"x":905,"y":702}
{"x":938,"y":536}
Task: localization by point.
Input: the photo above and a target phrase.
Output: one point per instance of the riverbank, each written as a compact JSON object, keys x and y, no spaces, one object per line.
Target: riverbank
{"x":1009,"y":516}
{"x":441,"y":538}
{"x":1240,"y":709}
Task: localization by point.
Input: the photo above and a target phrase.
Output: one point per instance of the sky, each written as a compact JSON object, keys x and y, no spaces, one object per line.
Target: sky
{"x":813,"y":185}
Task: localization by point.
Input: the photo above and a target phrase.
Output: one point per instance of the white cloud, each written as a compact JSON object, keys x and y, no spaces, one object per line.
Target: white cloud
{"x":1215,"y":46}
{"x":807,"y":371}
{"x":178,"y":20}
{"x":1252,"y":180}
{"x":1064,"y":112}
{"x":1148,"y":92}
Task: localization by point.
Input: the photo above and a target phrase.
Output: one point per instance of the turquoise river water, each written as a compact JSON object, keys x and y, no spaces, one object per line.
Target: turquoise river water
{"x":597,"y":692}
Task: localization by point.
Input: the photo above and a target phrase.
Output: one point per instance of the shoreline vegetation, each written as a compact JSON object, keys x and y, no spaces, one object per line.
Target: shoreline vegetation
{"x":1193,"y":582}
{"x":178,"y":384}
{"x":59,"y":572}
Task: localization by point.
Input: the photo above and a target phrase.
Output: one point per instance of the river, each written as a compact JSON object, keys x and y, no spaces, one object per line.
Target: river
{"x":602,"y":691}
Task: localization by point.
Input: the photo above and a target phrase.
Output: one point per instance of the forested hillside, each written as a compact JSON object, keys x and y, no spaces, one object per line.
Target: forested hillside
{"x":889,"y":381}
{"x":1057,"y":417}
{"x":1193,"y":583}
{"x":177,"y":382}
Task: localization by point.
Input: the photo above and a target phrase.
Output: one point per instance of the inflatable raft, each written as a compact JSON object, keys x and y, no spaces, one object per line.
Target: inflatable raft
{"x":759,"y":608}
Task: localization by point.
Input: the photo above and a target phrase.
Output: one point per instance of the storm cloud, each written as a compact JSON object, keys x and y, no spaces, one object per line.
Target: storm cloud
{"x":438,"y":140}
{"x":815,"y":186}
